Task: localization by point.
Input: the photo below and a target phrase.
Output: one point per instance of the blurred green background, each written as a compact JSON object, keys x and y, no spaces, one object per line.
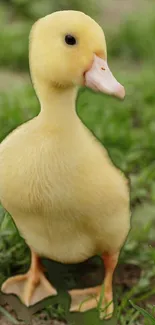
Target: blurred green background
{"x":126,"y":129}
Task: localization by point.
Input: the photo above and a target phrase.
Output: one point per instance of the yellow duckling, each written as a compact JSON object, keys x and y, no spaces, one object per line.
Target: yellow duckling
{"x":57,"y":181}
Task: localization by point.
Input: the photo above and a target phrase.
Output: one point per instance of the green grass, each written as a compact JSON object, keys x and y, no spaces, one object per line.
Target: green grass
{"x":126,"y":129}
{"x":133,"y":40}
{"x":148,"y":316}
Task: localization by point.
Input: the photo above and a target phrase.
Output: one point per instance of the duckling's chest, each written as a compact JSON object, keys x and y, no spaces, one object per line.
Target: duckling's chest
{"x":45,"y":174}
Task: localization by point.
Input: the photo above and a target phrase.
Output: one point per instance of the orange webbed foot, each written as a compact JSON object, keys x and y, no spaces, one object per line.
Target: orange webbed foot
{"x":86,"y":299}
{"x":31,"y":287}
{"x":100,"y":297}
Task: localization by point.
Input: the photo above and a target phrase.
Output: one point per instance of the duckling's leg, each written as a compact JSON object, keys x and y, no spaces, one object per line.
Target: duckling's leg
{"x":31,"y":287}
{"x":83,"y":300}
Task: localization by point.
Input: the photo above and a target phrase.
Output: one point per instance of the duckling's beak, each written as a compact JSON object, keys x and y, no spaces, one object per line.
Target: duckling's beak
{"x":100,"y":78}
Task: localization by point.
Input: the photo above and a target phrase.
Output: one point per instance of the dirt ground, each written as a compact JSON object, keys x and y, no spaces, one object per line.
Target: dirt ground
{"x":36,"y":320}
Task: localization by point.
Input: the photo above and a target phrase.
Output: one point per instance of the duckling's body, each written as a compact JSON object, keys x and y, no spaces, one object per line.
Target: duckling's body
{"x":66,"y":197}
{"x":68,"y":191}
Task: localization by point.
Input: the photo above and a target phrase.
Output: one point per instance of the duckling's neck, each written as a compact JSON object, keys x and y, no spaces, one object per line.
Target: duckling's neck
{"x":58,"y":105}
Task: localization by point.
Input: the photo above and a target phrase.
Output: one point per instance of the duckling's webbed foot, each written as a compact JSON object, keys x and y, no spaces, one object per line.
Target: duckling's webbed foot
{"x":31,"y":287}
{"x":100,"y":296}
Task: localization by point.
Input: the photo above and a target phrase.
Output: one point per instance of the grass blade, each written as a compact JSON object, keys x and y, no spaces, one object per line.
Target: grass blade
{"x":8,"y":315}
{"x":144,"y":313}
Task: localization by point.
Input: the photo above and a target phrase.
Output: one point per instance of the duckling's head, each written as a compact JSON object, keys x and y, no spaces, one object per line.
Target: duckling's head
{"x":68,"y":48}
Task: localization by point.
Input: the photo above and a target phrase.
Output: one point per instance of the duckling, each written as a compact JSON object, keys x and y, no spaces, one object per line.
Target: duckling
{"x":67,"y":199}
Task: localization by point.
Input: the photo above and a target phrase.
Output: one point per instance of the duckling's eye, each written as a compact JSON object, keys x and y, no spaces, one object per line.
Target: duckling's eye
{"x":70,"y":40}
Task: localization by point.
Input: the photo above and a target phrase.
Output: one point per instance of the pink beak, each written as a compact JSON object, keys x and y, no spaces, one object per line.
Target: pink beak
{"x":100,"y":78}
